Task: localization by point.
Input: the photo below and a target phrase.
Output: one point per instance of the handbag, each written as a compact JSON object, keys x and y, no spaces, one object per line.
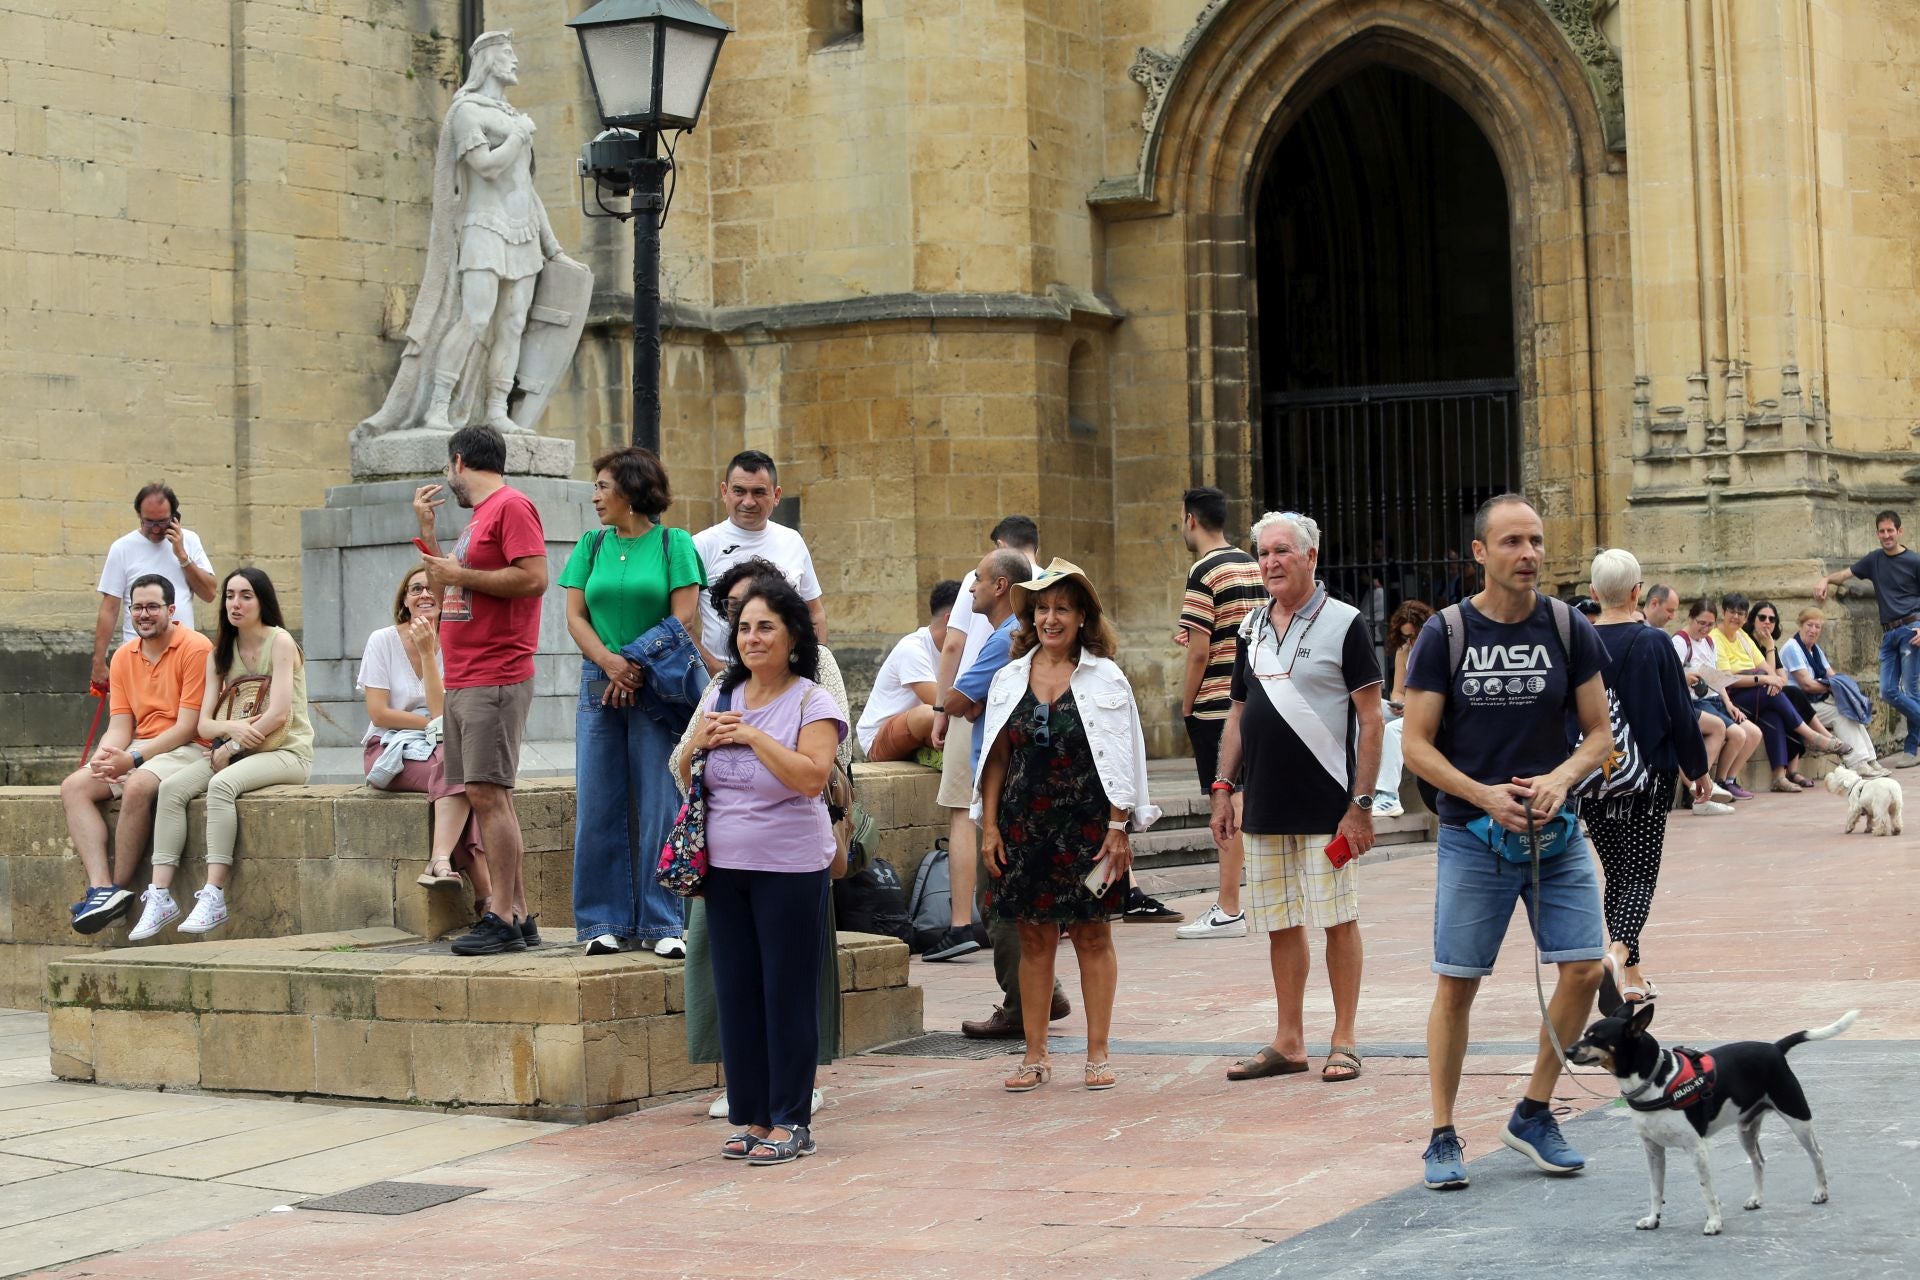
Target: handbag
{"x":682,"y":870}
{"x":839,"y":797}
{"x":246,"y":698}
{"x":1624,"y":771}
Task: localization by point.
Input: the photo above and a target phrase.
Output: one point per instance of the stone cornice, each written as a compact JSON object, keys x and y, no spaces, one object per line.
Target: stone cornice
{"x":1060,"y":304}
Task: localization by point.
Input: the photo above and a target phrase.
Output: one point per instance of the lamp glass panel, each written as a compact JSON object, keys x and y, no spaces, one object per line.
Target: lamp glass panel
{"x":621,"y":59}
{"x":688,"y":62}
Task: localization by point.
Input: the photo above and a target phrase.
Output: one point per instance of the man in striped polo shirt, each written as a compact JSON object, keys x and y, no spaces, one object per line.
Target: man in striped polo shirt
{"x":1222,"y":588}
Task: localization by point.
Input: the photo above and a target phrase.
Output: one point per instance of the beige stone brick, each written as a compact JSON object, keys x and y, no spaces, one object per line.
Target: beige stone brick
{"x":465,"y":1062}
{"x":871,"y":1018}
{"x":70,"y":1042}
{"x":559,"y":1055}
{"x":669,"y":1070}
{"x":523,"y":998}
{"x":360,"y":1058}
{"x":132,"y":1047}
{"x":242,"y":990}
{"x":333,"y":995}
{"x":427,"y":997}
{"x":617,"y":1059}
{"x":266,"y":1052}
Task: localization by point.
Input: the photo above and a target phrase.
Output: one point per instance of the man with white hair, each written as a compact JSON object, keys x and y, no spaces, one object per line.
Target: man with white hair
{"x":1303,"y":739}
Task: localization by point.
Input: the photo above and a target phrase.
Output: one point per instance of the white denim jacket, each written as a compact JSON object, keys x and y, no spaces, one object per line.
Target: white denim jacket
{"x":1105,"y":700}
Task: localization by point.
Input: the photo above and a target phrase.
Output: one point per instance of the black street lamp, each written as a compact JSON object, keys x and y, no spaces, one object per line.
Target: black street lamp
{"x":650,"y":62}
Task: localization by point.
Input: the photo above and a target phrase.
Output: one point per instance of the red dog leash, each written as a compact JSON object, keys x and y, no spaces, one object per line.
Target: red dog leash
{"x":99,"y":693}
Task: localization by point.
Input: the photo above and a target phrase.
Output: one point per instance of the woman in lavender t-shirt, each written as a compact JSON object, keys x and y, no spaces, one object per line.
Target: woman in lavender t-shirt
{"x":770,"y":741}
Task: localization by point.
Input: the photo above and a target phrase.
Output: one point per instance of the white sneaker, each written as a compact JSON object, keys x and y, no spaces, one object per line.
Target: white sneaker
{"x":604,"y":944}
{"x":1711,"y":809}
{"x":1387,"y":805}
{"x":1721,"y":795}
{"x":209,"y":912}
{"x":157,"y":911}
{"x":717,"y":1109}
{"x":1215,"y":923}
{"x":671,"y":948}
{"x":1905,"y":760}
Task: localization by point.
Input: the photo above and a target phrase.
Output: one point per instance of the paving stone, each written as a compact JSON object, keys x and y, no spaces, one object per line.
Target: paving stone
{"x":395,"y":1153}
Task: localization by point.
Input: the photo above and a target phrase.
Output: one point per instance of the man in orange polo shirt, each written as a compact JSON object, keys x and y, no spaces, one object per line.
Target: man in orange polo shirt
{"x":159,"y":679}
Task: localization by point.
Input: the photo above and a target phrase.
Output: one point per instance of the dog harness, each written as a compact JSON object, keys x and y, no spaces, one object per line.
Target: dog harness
{"x":1689,"y":1079}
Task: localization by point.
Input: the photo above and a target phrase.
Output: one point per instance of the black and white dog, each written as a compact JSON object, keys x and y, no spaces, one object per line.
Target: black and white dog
{"x":1681,"y":1097}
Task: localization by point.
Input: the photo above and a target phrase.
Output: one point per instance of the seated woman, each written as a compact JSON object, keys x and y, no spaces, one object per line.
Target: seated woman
{"x":255,"y":715}
{"x":1402,"y":629}
{"x":1062,"y":777}
{"x":769,"y":740}
{"x":1805,"y":662}
{"x":1756,"y":690}
{"x":400,"y":679}
{"x":1731,"y":737}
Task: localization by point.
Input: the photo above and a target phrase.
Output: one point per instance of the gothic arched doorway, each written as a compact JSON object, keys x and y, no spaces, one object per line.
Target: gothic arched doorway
{"x":1386,"y":351}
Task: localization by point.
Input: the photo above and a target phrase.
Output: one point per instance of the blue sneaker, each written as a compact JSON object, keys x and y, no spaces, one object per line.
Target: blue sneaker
{"x":100,"y":908}
{"x":1539,"y":1140}
{"x":1446,"y":1167}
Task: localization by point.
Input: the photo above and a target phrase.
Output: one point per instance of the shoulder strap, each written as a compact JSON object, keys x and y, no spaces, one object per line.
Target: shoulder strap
{"x":1562,"y":623}
{"x":1455,"y":624}
{"x":593,"y":552}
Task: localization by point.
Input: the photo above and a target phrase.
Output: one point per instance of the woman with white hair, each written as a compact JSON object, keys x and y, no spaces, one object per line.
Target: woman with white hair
{"x":1629,"y":830}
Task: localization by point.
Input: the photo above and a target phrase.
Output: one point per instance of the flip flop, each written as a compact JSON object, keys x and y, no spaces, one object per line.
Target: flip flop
{"x":1029,"y":1076}
{"x":1347,"y":1060}
{"x":1265,"y":1063}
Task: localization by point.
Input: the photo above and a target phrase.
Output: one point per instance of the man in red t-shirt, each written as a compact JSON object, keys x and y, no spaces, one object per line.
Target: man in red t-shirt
{"x":489,"y":627}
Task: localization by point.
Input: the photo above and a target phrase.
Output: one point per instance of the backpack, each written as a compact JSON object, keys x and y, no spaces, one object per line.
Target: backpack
{"x":871,"y":899}
{"x":930,"y":909}
{"x":1622,"y":771}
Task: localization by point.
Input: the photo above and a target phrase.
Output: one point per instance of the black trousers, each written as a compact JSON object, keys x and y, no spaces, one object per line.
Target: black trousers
{"x":765,"y":932}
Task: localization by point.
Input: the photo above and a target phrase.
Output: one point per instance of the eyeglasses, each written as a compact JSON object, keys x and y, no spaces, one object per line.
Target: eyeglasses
{"x":1766,"y":617}
{"x":148,"y":608}
{"x":155,"y":524}
{"x":1043,"y":723}
{"x":422,"y":590}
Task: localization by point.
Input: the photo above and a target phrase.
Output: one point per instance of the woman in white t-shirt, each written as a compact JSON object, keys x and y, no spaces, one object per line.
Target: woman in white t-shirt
{"x":400,"y":676}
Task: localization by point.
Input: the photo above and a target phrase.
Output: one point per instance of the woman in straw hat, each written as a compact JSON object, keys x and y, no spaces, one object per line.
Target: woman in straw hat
{"x":1062,"y":778}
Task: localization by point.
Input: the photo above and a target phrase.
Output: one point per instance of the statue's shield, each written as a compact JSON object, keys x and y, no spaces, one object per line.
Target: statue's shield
{"x":561,"y":297}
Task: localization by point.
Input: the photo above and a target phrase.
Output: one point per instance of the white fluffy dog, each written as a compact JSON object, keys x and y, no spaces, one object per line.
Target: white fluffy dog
{"x":1878,"y":800}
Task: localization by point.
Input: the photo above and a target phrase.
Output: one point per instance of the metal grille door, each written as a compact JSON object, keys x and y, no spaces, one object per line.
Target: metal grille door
{"x":1392,"y":474}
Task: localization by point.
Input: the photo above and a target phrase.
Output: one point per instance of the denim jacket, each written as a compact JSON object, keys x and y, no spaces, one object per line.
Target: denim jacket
{"x":675,"y":675}
{"x":1105,"y":699}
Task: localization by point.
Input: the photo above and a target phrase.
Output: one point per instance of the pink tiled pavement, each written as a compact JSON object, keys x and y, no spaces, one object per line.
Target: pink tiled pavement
{"x":1766,"y":921}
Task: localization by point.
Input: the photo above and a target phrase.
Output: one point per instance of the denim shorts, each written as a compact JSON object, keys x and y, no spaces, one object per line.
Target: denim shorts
{"x":1473,"y":904}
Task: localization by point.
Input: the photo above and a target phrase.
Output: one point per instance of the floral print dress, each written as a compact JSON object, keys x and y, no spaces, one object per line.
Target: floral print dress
{"x":1053,"y":818}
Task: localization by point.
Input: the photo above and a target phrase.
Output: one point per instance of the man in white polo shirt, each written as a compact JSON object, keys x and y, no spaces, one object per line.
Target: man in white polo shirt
{"x":750,"y":492}
{"x":161,"y":545}
{"x":898,"y":719}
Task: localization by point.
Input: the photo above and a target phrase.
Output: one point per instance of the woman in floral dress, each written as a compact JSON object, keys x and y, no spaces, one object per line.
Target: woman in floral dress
{"x":1061,"y":781}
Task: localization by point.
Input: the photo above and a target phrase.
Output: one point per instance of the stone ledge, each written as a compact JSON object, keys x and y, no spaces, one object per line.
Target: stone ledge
{"x":376,"y":1015}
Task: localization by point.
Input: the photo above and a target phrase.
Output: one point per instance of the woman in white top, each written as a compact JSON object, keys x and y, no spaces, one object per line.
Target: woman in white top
{"x":400,"y":676}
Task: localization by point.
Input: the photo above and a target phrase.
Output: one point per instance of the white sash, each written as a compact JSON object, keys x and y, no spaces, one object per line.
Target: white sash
{"x":1268,"y":662}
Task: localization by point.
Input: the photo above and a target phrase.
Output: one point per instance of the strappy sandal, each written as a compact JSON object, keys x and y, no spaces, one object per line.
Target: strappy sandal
{"x":1346,"y":1061}
{"x":1029,"y":1076}
{"x":745,"y":1141}
{"x":797,"y":1143}
{"x":1784,"y":786}
{"x":433,"y":875}
{"x":1100,"y":1076}
{"x":1267,"y":1062}
{"x":1801,"y":781}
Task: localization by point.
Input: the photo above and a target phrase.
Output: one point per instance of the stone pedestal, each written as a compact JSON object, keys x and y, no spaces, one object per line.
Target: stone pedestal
{"x":355,"y":550}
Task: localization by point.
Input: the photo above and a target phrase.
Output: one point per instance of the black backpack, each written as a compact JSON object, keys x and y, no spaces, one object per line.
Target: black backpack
{"x":871,"y":899}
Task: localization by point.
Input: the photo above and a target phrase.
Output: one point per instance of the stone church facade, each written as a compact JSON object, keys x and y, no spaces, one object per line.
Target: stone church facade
{"x":1651,"y":263}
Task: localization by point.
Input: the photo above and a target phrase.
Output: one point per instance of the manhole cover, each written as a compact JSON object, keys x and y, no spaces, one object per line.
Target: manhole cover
{"x":389,"y":1198}
{"x":949,"y":1044}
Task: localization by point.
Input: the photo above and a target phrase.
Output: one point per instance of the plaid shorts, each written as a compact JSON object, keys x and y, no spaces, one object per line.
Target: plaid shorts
{"x":1290,"y":883}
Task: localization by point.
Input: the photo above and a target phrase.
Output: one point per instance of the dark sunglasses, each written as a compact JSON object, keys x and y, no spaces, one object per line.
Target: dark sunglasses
{"x":1043,"y":723}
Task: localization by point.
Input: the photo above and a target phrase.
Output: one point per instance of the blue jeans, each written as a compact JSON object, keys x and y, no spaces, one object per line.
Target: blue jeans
{"x":1474,"y":896}
{"x":625,"y":806}
{"x":1900,"y":679}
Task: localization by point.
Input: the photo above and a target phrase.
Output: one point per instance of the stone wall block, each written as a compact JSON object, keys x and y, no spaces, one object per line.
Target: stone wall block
{"x":617,"y":1061}
{"x":141,"y":1048}
{"x":403,"y":997}
{"x":667,"y":1054}
{"x":428,"y":913}
{"x":871,"y":1018}
{"x":359,"y":1058}
{"x":70,"y":1042}
{"x":299,"y":822}
{"x":560,"y":1064}
{"x":242,"y":991}
{"x":265,"y":1052}
{"x":878,"y":962}
{"x":381,"y":825}
{"x":632,"y":992}
{"x":344,"y":894}
{"x":264,"y":893}
{"x":466,"y":1062}
{"x":523,"y":998}
{"x":333,"y":995}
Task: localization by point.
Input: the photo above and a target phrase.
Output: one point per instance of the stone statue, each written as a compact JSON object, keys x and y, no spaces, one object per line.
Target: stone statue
{"x":500,"y":303}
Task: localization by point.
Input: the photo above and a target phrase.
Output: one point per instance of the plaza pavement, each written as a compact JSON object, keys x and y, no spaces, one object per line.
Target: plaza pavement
{"x":1766,"y":922}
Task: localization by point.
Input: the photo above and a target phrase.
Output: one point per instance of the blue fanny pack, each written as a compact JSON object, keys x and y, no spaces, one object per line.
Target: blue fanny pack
{"x":1556,"y":836}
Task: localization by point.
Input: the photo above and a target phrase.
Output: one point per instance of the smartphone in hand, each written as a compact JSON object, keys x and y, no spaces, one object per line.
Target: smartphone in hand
{"x":425,"y":550}
{"x":1339,"y":852}
{"x":1100,"y":879}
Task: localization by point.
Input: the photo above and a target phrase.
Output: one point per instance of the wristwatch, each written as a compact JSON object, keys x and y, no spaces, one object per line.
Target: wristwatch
{"x":1364,"y":803}
{"x":138,"y":759}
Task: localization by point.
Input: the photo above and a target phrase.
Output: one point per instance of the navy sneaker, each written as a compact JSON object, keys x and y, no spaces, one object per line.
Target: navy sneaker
{"x":489,"y":937}
{"x":1538,"y":1139}
{"x":530,"y":932}
{"x":954,"y":943}
{"x":1446,"y":1166}
{"x":100,"y":908}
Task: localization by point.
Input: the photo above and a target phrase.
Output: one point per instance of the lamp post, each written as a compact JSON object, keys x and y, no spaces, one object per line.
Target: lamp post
{"x":650,"y":62}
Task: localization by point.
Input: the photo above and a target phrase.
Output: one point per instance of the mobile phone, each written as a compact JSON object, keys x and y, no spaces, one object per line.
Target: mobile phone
{"x":1339,"y":853}
{"x":425,"y":550}
{"x":1100,"y":879}
{"x":597,"y":689}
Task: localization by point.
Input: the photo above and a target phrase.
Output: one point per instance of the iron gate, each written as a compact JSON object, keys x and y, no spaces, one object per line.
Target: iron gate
{"x":1392,"y":474}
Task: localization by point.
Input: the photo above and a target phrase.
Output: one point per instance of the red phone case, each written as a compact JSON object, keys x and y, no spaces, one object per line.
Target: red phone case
{"x":1339,"y":853}
{"x":425,"y":550}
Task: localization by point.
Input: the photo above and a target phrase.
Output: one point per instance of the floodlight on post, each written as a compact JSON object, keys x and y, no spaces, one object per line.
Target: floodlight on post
{"x":650,"y":63}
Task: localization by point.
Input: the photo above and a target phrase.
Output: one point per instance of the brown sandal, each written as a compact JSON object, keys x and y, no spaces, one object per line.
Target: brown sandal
{"x":1030,"y":1076}
{"x":1267,"y":1062}
{"x":1100,"y":1076}
{"x":1345,"y":1061}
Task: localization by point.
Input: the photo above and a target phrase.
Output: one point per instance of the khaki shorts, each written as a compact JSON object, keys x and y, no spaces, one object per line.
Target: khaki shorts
{"x":483,"y":727}
{"x":164,"y":767}
{"x":1290,"y":883}
{"x":956,"y":768}
{"x":894,"y":740}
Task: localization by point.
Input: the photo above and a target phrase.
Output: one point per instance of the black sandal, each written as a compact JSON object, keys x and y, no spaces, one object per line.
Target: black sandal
{"x":748,"y":1141}
{"x":797,"y":1143}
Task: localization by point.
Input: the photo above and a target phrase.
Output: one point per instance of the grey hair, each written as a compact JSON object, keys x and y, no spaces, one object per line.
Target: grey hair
{"x":1614,"y":575}
{"x":1305,"y":531}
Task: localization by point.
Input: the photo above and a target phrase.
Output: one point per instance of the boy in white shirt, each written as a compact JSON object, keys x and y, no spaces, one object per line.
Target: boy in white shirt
{"x":898,"y":719}
{"x":750,"y":493}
